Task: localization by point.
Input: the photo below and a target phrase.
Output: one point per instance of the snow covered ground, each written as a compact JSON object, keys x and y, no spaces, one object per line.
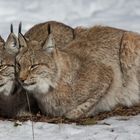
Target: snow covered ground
{"x":116,"y":128}
{"x":118,"y":13}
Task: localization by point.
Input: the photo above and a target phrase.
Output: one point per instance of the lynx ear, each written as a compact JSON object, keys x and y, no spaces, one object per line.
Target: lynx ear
{"x":12,"y":44}
{"x":49,"y":45}
{"x":2,"y":42}
{"x":21,"y":38}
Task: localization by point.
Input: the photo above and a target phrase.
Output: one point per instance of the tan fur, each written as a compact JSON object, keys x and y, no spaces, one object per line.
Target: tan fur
{"x":63,"y":34}
{"x":89,"y":75}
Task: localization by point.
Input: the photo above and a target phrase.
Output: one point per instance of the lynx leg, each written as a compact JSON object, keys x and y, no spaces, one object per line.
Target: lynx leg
{"x":81,"y":110}
{"x":99,"y":90}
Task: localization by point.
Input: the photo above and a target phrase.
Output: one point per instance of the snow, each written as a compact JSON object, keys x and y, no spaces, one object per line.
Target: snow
{"x":115,"y":128}
{"x":117,"y":13}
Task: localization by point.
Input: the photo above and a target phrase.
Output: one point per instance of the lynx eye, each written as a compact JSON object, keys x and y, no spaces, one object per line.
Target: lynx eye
{"x":33,"y":67}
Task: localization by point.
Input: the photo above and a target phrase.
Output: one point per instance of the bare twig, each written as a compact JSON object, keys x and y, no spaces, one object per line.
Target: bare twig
{"x":31,"y":117}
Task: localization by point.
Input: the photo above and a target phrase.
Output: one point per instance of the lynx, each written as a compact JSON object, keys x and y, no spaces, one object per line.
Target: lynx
{"x":12,"y":96}
{"x":89,"y":75}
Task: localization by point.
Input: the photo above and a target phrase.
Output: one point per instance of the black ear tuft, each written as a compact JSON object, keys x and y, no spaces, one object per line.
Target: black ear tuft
{"x":19,"y":27}
{"x":11,"y":28}
{"x":49,"y":29}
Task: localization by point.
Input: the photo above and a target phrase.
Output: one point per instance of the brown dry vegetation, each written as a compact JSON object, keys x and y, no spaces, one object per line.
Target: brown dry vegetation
{"x":119,"y":111}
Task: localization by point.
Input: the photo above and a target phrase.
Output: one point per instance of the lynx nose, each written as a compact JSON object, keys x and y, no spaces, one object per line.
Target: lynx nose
{"x":22,"y":79}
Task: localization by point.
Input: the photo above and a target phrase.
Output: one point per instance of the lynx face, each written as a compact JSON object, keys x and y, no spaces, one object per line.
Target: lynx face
{"x":8,"y":51}
{"x":37,"y":69}
{"x":6,"y":73}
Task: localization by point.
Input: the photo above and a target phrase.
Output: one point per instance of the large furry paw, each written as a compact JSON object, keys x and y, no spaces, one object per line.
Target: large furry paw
{"x":74,"y":114}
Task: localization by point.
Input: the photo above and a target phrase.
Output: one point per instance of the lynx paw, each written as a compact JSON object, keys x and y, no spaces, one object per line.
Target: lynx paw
{"x":74,"y":114}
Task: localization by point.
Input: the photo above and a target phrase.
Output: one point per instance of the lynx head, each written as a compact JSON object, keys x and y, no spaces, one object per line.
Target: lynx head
{"x":36,"y":64}
{"x":8,"y":50}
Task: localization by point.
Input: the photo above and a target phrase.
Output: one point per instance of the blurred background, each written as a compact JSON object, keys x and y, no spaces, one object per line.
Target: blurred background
{"x":118,"y":13}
